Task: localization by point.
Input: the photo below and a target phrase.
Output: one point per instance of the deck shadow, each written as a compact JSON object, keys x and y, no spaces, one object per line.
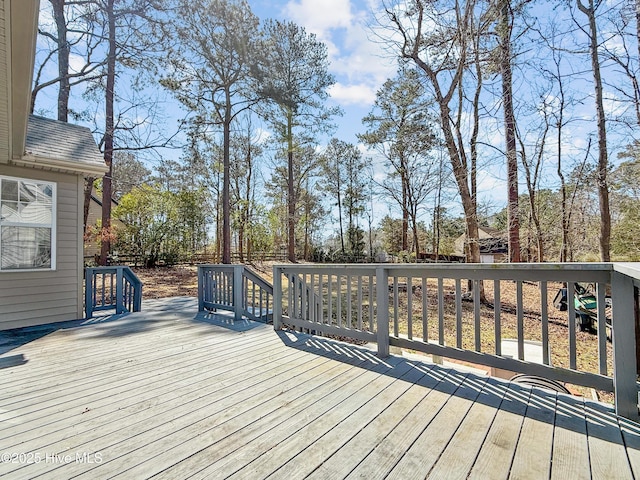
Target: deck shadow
{"x":557,"y":409}
{"x":226,"y":319}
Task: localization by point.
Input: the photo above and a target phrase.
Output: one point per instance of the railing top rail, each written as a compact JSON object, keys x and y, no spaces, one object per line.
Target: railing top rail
{"x":630,"y":269}
{"x":110,"y":269}
{"x":588,"y":272}
{"x":258,"y":280}
{"x":224,"y":267}
{"x":132,"y":277}
{"x":466,"y":266}
{"x":126,"y":271}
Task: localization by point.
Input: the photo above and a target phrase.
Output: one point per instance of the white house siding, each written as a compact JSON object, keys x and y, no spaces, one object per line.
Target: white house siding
{"x":4,"y":88}
{"x":37,"y":297}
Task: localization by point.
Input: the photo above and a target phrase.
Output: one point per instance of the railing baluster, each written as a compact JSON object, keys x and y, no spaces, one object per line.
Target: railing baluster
{"x":339,"y":300}
{"x":321,"y":297}
{"x":371,"y":301}
{"x":520,"y":319}
{"x":544,"y":302}
{"x":476,"y":314}
{"x":602,"y":328}
{"x":571,"y":312}
{"x":359,"y":300}
{"x":409,"y":308}
{"x":458,"y":314}
{"x":497,"y":309}
{"x":395,"y":306}
{"x":349,"y":301}
{"x":102,"y":289}
{"x":425,"y":305}
{"x":330,"y":298}
{"x":290,"y":302}
{"x":312,"y":298}
{"x":304,"y":295}
{"x":441,"y":311}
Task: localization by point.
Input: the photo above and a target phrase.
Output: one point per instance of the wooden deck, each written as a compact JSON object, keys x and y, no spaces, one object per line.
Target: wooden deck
{"x":168,"y":393}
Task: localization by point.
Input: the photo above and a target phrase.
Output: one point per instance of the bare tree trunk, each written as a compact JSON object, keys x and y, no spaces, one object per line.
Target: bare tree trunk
{"x":411,"y":49}
{"x":88,"y":189}
{"x":63,"y":59}
{"x":339,"y":195}
{"x":416,"y":240}
{"x":226,"y":197}
{"x":108,"y":135}
{"x":218,"y":223}
{"x":370,"y":222}
{"x":601,"y":175}
{"x":246,"y":210}
{"x":405,"y":208}
{"x":291,"y":204}
{"x":532,"y":187}
{"x":638,"y":33}
{"x":307,"y":213}
{"x":504,"y":27}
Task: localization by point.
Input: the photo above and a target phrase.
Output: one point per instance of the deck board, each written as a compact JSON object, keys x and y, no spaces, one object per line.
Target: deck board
{"x":496,"y":456}
{"x":460,"y":454}
{"x":570,"y":455}
{"x":170,"y":393}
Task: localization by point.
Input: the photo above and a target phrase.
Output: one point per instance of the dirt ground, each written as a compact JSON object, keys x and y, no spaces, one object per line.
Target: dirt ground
{"x":162,"y":282}
{"x":182,"y":280}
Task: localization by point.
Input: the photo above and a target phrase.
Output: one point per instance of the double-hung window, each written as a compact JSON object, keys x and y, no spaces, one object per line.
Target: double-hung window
{"x":27,"y":224}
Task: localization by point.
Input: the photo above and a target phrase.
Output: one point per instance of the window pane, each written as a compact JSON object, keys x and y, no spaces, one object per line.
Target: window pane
{"x":26,"y":224}
{"x":9,"y":189}
{"x":28,"y":192}
{"x":45,"y":193}
{"x":9,"y":212}
{"x":35,"y":213}
{"x":24,"y":247}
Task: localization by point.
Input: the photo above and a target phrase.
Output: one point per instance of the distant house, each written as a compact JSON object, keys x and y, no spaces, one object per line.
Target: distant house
{"x":493,"y":244}
{"x":42,"y":168}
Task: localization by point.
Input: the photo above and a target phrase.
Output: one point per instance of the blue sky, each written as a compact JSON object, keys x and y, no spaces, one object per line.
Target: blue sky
{"x":359,"y":65}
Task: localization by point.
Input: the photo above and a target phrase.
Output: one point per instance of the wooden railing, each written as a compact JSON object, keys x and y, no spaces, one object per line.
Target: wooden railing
{"x":234,"y":288}
{"x":499,"y":316}
{"x":112,"y":288}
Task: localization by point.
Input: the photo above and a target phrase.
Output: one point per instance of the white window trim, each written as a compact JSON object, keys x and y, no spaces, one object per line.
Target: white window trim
{"x":53,"y":225}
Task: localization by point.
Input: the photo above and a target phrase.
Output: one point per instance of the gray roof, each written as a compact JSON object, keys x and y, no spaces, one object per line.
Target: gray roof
{"x":56,"y":140}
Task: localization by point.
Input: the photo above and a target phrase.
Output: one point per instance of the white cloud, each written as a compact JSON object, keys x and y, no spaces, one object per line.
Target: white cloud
{"x":76,"y":63}
{"x":359,"y":64}
{"x":318,"y":17}
{"x":261,"y":136}
{"x":359,"y":94}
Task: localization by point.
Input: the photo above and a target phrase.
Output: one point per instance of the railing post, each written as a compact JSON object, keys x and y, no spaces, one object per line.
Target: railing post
{"x":277,"y":298}
{"x":137,"y":295}
{"x":382,"y":316}
{"x":88,"y":292}
{"x":120,"y":307}
{"x":624,"y":346}
{"x":201,"y":288}
{"x":238,"y":293}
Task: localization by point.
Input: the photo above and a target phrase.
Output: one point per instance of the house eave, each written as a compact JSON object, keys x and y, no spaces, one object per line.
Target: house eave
{"x":22,"y":46}
{"x":86,"y":169}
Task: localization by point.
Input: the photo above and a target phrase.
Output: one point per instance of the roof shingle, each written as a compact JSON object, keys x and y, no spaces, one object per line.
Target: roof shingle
{"x":52,"y":139}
